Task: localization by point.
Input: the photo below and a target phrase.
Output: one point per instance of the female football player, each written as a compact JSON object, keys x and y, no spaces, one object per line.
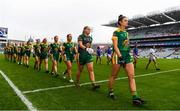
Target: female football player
{"x":9,"y":51}
{"x":98,"y":54}
{"x":85,"y":57}
{"x":55,"y":53}
{"x":19,"y":54}
{"x":6,"y":52}
{"x":44,"y":54}
{"x":27,"y":53}
{"x":121,"y":57}
{"x":23,"y":53}
{"x":36,"y":55}
{"x":68,"y":52}
{"x":15,"y":49}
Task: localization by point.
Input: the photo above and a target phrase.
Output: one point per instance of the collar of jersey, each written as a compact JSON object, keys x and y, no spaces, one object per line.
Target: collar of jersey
{"x":120,"y":30}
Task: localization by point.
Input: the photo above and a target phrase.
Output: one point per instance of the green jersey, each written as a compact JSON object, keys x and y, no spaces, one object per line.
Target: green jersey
{"x":15,"y":49}
{"x":37,"y":48}
{"x":27,"y":47}
{"x":86,"y":41}
{"x":123,"y":40}
{"x":69,"y":47}
{"x":44,"y":48}
{"x":55,"y":47}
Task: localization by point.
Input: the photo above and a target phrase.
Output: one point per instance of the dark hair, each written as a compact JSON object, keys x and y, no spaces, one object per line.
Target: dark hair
{"x":120,"y":18}
{"x":85,"y":28}
{"x":68,"y":35}
{"x":55,"y":36}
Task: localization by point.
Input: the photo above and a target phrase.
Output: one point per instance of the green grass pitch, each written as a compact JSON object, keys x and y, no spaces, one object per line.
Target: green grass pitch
{"x":161,"y":90}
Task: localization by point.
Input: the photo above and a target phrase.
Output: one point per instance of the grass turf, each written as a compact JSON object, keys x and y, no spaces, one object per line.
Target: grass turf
{"x":161,"y":91}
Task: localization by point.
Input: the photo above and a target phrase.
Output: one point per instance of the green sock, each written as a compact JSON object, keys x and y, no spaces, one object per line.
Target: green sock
{"x":111,"y":90}
{"x":134,"y":95}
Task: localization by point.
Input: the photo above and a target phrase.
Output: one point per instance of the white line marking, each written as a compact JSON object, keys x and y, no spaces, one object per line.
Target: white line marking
{"x":19,"y":93}
{"x":102,"y":81}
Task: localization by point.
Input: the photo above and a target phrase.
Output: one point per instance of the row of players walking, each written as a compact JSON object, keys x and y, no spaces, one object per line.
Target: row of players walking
{"x":68,"y":52}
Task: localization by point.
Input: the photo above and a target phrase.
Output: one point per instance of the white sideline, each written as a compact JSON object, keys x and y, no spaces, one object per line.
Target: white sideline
{"x":19,"y":93}
{"x":83,"y":84}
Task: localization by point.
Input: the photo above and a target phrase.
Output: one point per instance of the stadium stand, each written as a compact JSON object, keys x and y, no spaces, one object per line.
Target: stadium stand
{"x":159,"y":29}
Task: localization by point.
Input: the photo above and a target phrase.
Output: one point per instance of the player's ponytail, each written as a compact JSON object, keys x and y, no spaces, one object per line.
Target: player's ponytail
{"x":120,"y":18}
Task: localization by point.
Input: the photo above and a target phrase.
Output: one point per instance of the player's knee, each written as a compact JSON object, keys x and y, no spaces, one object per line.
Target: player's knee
{"x":91,"y":70}
{"x":131,"y":76}
{"x":114,"y":76}
{"x":69,"y":66}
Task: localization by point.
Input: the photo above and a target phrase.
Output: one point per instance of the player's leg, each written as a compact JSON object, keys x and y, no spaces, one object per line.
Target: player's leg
{"x":78,"y":75}
{"x":100,"y":60}
{"x":40,"y":63}
{"x":69,"y":70}
{"x":46,"y":65}
{"x":90,"y":69}
{"x":14,"y":57}
{"x":55,"y":68}
{"x":35,"y":62}
{"x":97,"y":57}
{"x":113,"y":76}
{"x":28,"y":61}
{"x":155,"y":64}
{"x":135,"y":62}
{"x":20,"y":60}
{"x":132,"y":84}
{"x":148,"y":64}
{"x":52,"y":68}
{"x":24,"y":60}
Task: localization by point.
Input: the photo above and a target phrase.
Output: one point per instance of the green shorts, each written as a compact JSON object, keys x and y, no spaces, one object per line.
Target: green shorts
{"x":22,"y":53}
{"x":19,"y":53}
{"x":43,"y":55}
{"x":126,"y":58}
{"x":69,"y":57}
{"x":55,"y":56}
{"x":15,"y":52}
{"x":9,"y":52}
{"x":27,"y":53}
{"x":36,"y":54}
{"x":85,"y":58}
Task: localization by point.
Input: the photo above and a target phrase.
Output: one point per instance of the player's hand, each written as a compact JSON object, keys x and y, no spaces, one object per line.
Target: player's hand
{"x":120,"y":58}
{"x":90,"y":50}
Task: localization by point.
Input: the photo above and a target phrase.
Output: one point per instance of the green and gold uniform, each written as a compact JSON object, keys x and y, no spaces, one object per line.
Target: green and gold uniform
{"x":15,"y":49}
{"x":44,"y":51}
{"x":27,"y":51}
{"x":84,"y":56}
{"x":55,"y":51}
{"x":19,"y":51}
{"x":9,"y":50}
{"x":5,"y":50}
{"x":69,"y":50}
{"x":22,"y":50}
{"x":124,"y":47}
{"x":37,"y":50}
